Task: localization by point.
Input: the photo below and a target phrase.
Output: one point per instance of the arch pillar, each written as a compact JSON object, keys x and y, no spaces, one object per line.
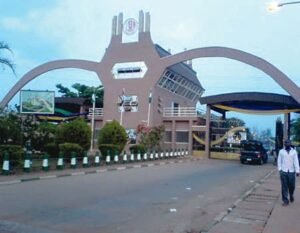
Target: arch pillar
{"x":286,"y":126}
{"x":207,"y":131}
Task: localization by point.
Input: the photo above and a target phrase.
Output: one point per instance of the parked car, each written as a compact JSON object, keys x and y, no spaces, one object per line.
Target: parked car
{"x":253,"y":151}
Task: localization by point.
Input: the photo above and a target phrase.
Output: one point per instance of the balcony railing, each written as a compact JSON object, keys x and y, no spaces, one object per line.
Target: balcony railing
{"x":180,"y":112}
{"x":98,"y":112}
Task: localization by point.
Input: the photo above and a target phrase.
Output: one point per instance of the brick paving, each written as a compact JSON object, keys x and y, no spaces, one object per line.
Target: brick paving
{"x":251,"y":213}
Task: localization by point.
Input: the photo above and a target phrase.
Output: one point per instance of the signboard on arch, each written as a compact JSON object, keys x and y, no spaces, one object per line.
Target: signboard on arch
{"x":37,"y":102}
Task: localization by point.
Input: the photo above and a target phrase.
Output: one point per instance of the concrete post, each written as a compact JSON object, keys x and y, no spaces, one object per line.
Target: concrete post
{"x":190,"y":145}
{"x":207,"y":132}
{"x":286,"y":126}
{"x":173,"y":134}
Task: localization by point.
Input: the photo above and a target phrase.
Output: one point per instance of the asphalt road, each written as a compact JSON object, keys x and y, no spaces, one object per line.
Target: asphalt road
{"x":183,"y":197}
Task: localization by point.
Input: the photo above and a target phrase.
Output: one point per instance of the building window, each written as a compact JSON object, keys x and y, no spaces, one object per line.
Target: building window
{"x":180,"y":85}
{"x":168,"y":136}
{"x":129,"y":70}
{"x":182,"y":136}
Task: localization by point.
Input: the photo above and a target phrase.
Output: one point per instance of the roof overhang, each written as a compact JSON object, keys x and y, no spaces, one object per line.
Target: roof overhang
{"x":252,"y":103}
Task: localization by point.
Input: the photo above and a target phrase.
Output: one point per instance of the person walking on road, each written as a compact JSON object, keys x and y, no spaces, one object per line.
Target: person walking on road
{"x":288,"y":167}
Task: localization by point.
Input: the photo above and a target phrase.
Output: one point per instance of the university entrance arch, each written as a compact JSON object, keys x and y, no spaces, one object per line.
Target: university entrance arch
{"x":143,"y":59}
{"x":44,"y":68}
{"x":223,"y":52}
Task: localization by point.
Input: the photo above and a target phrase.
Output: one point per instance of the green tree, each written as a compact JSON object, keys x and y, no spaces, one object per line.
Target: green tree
{"x":84,"y":92}
{"x":44,"y":134}
{"x":77,"y":131}
{"x":295,"y":129}
{"x":29,"y":127}
{"x":233,"y":122}
{"x":10,"y":129}
{"x":3,"y":60}
{"x":113,"y":133}
{"x":150,"y":137}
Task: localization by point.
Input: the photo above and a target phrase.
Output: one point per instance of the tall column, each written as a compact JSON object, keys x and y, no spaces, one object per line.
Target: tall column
{"x":120,"y":24}
{"x":114,"y":26}
{"x":173,"y":134}
{"x":286,"y":126}
{"x":207,"y":132}
{"x":147,"y":25}
{"x":190,"y":145}
{"x":141,"y":21}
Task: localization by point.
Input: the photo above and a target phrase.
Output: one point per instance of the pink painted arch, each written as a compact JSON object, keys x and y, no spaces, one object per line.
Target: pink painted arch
{"x":288,"y":85}
{"x":44,"y":68}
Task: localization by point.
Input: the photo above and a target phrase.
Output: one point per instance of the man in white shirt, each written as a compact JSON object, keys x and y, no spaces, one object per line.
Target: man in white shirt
{"x":288,"y":167}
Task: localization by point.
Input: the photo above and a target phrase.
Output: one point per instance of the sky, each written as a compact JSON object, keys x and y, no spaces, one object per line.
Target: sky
{"x":39,"y":31}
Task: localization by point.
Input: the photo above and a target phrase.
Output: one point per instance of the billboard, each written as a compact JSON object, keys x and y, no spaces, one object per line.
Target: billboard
{"x":37,"y":102}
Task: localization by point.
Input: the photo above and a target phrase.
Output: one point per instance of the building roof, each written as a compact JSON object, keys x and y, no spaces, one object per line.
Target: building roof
{"x":252,"y":103}
{"x":181,"y":68}
{"x":70,"y":100}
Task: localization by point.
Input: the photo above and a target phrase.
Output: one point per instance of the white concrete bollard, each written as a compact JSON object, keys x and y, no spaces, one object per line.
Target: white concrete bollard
{"x":116,"y":159}
{"x":131,"y":157}
{"x":125,"y":158}
{"x":151,"y":156}
{"x":145,"y":157}
{"x":97,"y":160}
{"x":167,"y":154}
{"x":107,"y":160}
{"x":161,"y":154}
{"x":138,"y":158}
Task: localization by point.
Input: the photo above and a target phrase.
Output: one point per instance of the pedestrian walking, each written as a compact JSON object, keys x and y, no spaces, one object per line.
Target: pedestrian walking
{"x":288,"y":167}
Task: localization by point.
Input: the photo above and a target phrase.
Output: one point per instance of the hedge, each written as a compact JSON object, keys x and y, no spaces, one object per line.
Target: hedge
{"x":67,"y":148}
{"x":52,"y":149}
{"x":15,"y":154}
{"x":139,"y":148}
{"x":114,"y":134}
{"x":111,"y":148}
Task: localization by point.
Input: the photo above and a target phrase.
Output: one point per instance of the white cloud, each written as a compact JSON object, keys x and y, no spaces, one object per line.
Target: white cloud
{"x":14,"y":24}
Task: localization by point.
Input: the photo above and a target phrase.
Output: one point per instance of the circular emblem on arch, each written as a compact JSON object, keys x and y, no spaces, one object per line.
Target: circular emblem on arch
{"x":130,"y":26}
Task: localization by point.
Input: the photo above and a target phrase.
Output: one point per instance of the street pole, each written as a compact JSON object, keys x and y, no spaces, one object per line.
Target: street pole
{"x":121,"y":117}
{"x":149,"y":107}
{"x":122,"y":106}
{"x":93,"y":120}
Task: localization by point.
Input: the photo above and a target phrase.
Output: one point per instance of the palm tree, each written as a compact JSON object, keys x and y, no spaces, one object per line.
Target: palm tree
{"x":5,"y":61}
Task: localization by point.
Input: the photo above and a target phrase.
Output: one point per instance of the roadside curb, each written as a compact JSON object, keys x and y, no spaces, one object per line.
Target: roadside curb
{"x":96,"y":171}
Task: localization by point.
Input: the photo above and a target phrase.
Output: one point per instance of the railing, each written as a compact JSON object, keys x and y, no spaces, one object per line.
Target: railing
{"x":98,"y":112}
{"x":180,"y":112}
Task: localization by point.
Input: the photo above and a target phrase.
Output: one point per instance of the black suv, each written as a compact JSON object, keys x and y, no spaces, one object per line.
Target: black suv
{"x":253,"y":151}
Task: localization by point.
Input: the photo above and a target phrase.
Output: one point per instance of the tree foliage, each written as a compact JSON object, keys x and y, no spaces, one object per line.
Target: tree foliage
{"x":113,"y":133}
{"x":84,"y":92}
{"x":10,"y":129}
{"x":150,"y":137}
{"x":77,"y":131}
{"x":295,"y":130}
{"x":67,"y":149}
{"x":234,"y":122}
{"x":43,"y":135}
{"x":4,"y":61}
{"x":15,"y":153}
{"x":29,"y":127}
